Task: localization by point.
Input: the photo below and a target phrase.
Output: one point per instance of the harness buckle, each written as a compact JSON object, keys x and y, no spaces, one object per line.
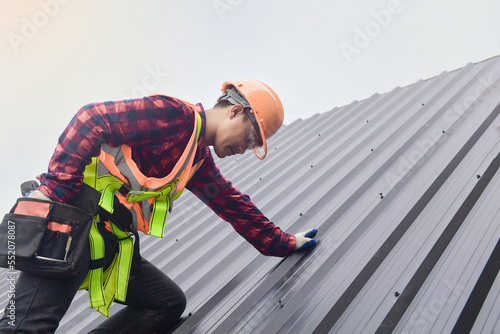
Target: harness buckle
{"x":138,"y":196}
{"x":132,"y":195}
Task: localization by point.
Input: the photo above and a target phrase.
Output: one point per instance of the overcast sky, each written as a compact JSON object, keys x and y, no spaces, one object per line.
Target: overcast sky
{"x":58,"y":55}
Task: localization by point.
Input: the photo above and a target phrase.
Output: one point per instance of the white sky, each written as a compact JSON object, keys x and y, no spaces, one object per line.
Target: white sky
{"x":58,"y":55}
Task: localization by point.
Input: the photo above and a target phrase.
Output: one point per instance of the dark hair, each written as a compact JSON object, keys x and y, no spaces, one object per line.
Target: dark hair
{"x":225,"y":103}
{"x":222,"y":104}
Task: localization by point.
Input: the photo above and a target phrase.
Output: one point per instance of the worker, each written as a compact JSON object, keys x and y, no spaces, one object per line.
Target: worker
{"x":138,"y":145}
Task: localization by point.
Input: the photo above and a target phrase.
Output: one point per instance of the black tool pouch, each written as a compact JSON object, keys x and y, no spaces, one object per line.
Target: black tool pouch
{"x":44,"y":237}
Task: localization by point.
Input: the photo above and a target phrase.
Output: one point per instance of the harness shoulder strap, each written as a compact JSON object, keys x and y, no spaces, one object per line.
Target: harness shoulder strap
{"x":163,"y":202}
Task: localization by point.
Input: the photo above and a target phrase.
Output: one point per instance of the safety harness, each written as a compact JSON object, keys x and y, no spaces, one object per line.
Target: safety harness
{"x":149,"y":200}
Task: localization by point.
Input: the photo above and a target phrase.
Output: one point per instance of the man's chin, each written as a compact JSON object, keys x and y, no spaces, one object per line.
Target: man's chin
{"x":219,"y":154}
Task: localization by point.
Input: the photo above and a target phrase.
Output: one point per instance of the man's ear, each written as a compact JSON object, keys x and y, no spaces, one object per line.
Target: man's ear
{"x":235,"y":110}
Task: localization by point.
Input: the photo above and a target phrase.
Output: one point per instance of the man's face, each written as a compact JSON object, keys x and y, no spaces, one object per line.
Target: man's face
{"x":236,"y":134}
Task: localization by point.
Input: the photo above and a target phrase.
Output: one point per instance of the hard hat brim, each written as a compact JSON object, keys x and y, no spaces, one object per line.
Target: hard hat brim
{"x":260,"y":151}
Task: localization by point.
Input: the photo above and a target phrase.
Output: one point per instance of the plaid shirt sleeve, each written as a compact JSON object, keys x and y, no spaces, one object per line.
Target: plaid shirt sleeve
{"x":147,"y":120}
{"x":209,"y":185}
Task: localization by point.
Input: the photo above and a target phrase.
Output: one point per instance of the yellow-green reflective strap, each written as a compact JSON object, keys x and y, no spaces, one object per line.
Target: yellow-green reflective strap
{"x":96,"y":296}
{"x":90,"y":174}
{"x":108,"y":184}
{"x":109,"y":288}
{"x":115,"y":284}
{"x":159,"y":216}
{"x":125,"y":254}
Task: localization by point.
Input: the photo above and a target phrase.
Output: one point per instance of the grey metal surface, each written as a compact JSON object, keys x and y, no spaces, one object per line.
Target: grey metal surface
{"x":404,"y":190}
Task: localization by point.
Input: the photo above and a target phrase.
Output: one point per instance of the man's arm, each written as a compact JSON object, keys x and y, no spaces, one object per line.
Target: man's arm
{"x":230,"y":204}
{"x":130,"y":122}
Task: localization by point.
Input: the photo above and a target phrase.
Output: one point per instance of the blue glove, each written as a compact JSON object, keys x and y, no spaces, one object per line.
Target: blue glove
{"x":305,"y":239}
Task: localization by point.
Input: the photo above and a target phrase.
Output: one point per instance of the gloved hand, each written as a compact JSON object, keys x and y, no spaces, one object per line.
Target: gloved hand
{"x":305,"y":239}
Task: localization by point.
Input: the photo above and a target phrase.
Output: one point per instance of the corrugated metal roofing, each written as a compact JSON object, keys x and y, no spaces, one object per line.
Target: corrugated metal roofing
{"x":404,"y":188}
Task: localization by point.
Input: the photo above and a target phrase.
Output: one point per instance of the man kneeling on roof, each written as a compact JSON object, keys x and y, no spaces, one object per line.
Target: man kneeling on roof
{"x":140,"y":154}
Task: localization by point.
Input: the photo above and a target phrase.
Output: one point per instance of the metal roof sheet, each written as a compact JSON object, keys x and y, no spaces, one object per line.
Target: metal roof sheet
{"x":404,"y":190}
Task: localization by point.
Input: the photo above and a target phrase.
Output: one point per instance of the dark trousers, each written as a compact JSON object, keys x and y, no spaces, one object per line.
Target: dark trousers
{"x":155,"y":303}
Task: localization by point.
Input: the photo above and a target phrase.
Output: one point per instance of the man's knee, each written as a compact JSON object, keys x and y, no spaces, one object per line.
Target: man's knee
{"x":178,"y":304}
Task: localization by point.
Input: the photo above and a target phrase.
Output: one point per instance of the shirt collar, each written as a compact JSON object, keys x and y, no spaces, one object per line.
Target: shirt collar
{"x":198,"y":107}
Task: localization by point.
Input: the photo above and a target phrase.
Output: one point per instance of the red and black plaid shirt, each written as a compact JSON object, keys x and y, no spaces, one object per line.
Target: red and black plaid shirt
{"x":157,"y":128}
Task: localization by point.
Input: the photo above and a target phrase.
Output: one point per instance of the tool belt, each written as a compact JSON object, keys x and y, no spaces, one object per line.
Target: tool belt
{"x":48,"y":238}
{"x":53,"y":239}
{"x":44,"y":237}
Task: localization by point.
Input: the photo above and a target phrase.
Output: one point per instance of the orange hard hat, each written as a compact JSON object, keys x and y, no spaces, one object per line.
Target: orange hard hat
{"x":266,"y":109}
